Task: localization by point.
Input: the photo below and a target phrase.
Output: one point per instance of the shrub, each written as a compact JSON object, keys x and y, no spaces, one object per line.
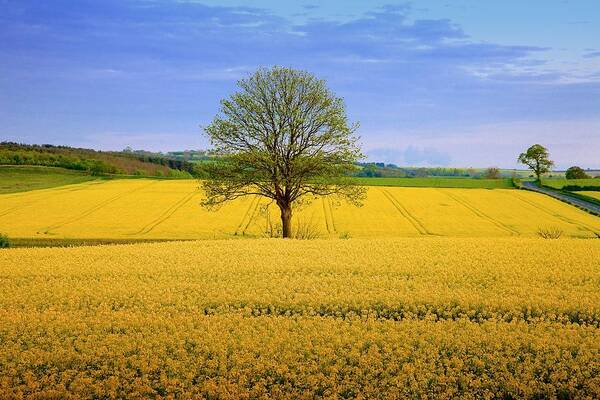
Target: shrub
{"x":175,"y":173}
{"x":306,"y":230}
{"x":517,"y":182}
{"x":578,"y":188}
{"x":576,"y":173}
{"x":302,"y":230}
{"x":4,"y":241}
{"x":273,"y":230}
{"x":492,"y":173}
{"x":552,"y":232}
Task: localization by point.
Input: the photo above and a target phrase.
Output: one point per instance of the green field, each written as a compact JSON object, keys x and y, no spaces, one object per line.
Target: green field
{"x":560,"y":183}
{"x":503,"y":183}
{"x":21,"y":179}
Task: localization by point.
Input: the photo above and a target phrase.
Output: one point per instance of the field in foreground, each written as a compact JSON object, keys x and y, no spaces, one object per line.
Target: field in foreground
{"x":389,"y":318}
{"x":170,"y":209}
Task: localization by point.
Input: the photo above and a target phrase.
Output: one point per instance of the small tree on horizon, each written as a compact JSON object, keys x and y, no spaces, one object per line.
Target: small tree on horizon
{"x":283,"y":136}
{"x":492,"y":173}
{"x":537,"y":159}
{"x":576,"y":173}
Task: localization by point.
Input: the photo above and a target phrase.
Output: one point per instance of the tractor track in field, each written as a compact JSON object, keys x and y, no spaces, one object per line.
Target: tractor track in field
{"x":481,"y":214}
{"x":553,"y":214}
{"x":406,"y":214}
{"x":331,"y":215}
{"x":247,"y":217}
{"x":252,"y":215}
{"x":94,"y":209}
{"x":328,"y":213}
{"x":166,"y":214}
{"x":43,"y":196}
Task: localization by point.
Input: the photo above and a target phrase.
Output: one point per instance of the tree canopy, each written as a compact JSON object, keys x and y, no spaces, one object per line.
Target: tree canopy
{"x":537,"y":159}
{"x":284,"y":136}
{"x":576,"y":173}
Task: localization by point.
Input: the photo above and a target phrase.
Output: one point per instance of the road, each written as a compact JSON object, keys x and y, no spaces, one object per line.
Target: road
{"x":586,"y":205}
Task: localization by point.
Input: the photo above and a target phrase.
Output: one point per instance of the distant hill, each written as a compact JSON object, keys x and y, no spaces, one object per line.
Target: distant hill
{"x":93,"y":161}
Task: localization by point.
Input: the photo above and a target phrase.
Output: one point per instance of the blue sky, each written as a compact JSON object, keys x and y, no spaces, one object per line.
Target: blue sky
{"x":461,"y":83}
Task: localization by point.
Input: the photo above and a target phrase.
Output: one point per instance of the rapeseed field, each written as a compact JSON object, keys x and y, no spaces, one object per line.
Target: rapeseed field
{"x":595,"y":195}
{"x":163,"y":209}
{"x":388,"y":318}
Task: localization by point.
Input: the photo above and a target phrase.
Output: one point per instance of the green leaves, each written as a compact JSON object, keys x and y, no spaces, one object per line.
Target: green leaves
{"x":283,"y":135}
{"x":537,"y":159}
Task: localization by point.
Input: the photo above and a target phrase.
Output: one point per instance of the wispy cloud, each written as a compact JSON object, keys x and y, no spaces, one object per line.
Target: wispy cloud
{"x":409,"y":156}
{"x":592,"y":54}
{"x":125,"y":65}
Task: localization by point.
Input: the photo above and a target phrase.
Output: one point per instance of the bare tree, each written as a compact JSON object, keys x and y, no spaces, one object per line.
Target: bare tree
{"x":283,"y":136}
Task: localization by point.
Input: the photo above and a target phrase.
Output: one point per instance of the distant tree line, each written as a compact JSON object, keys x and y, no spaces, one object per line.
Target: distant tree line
{"x":92,"y":161}
{"x":160,"y":159}
{"x":13,"y":154}
{"x":379,"y":169}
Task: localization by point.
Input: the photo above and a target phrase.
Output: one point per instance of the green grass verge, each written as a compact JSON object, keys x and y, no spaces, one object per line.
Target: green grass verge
{"x":591,"y":195}
{"x":580,"y":196}
{"x":20,"y":179}
{"x":505,"y":183}
{"x":55,"y":242}
{"x":560,"y":183}
{"x":15,"y":179}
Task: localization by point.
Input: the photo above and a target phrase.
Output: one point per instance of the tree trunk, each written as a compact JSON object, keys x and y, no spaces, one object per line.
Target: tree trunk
{"x":286,"y":220}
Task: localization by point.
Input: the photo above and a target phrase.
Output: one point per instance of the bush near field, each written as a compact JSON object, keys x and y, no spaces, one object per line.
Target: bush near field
{"x":4,"y":241}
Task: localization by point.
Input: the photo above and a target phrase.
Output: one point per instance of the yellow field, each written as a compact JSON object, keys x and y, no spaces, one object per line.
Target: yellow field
{"x":595,"y":195}
{"x":136,"y":209}
{"x":387,"y":318}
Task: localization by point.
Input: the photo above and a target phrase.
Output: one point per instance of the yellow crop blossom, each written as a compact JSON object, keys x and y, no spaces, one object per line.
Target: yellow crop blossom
{"x":398,"y":318}
{"x":155,"y":209}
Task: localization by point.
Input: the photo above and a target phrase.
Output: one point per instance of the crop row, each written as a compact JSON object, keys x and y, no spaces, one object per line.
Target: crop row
{"x":396,"y":279}
{"x":390,"y":318}
{"x":230,"y":356}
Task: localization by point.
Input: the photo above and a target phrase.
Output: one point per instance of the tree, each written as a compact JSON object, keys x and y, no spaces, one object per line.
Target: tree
{"x":576,"y":173}
{"x":492,"y":173}
{"x":283,"y":136}
{"x":537,"y":159}
{"x":4,"y":241}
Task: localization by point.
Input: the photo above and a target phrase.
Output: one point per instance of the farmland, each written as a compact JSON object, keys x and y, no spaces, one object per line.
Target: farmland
{"x":169,"y":209}
{"x":504,"y":183}
{"x":595,"y":195}
{"x":21,"y":179}
{"x":435,"y":293}
{"x":560,"y":183}
{"x":391,"y":318}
